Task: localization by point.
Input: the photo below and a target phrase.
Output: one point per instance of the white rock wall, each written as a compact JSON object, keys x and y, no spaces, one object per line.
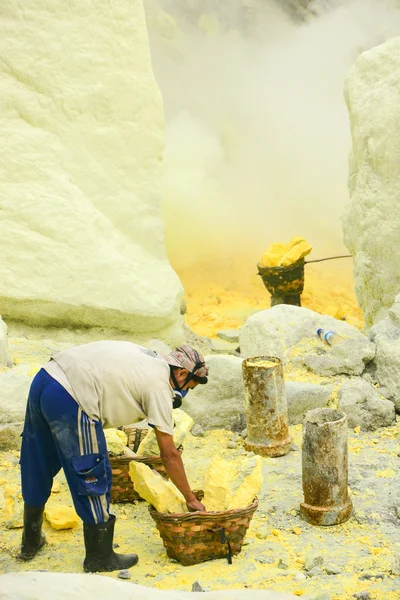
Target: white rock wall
{"x":371,"y":221}
{"x":81,"y":137}
{"x":4,"y":356}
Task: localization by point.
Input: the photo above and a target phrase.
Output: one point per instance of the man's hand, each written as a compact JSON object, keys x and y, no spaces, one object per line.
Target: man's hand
{"x":175,"y":469}
{"x":194,"y":505}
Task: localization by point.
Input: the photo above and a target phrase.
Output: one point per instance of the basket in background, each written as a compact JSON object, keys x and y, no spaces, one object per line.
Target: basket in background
{"x":191,"y":538}
{"x":135,"y":435}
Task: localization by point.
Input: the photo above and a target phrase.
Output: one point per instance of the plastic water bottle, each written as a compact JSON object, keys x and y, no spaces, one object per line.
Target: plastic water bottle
{"x":329,"y":336}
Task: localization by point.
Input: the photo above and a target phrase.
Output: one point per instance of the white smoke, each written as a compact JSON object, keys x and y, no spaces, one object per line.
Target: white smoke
{"x":257,"y":129}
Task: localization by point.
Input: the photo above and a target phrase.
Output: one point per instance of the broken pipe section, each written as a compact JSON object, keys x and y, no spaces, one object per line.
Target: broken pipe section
{"x":266,"y":408}
{"x":325,"y":468}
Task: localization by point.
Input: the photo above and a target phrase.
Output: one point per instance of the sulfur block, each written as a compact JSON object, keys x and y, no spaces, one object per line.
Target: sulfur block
{"x":283,"y":255}
{"x":183,"y":425}
{"x":13,"y":508}
{"x":116,"y":441}
{"x":232,"y":484}
{"x":162,"y":494}
{"x":61,"y":517}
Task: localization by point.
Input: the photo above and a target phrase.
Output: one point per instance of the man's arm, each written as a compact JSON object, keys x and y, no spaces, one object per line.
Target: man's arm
{"x":174,"y":466}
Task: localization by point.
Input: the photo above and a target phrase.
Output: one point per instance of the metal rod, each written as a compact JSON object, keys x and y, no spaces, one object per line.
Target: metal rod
{"x":328,"y":258}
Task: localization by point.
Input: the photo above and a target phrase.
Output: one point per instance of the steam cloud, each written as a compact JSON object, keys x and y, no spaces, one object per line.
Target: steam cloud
{"x":257,"y":129}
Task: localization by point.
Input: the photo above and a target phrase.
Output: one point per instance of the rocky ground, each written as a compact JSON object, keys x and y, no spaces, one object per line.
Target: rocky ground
{"x":281,"y":552}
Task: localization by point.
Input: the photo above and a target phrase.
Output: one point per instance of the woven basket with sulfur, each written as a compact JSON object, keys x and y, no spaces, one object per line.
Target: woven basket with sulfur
{"x":122,"y":489}
{"x":284,"y":283}
{"x":192,"y":538}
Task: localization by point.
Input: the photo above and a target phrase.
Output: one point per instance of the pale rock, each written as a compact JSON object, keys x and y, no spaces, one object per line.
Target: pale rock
{"x":183,"y":423}
{"x":219,"y":346}
{"x":158,"y":492}
{"x":4,"y":355}
{"x":124,"y":574}
{"x":333,"y":569}
{"x":395,"y":568}
{"x":364,"y":407}
{"x":10,"y":436}
{"x":197,"y":430}
{"x":229,"y":335}
{"x":61,"y":517}
{"x":315,"y":572}
{"x":371,"y":218}
{"x":13,"y":511}
{"x":82,"y":136}
{"x":231,"y":484}
{"x":14,"y":388}
{"x":290,"y":334}
{"x":313,"y":559}
{"x":116,"y":441}
{"x":219,"y":403}
{"x":64,"y":586}
{"x":386,"y":364}
{"x":302,"y":397}
{"x":158,"y":346}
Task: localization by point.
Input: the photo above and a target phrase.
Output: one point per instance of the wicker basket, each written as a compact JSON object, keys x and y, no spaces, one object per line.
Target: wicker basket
{"x":285,"y":284}
{"x":122,"y":489}
{"x":191,"y":538}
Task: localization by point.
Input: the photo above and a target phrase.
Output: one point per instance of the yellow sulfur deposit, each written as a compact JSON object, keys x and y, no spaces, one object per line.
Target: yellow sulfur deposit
{"x":13,"y":507}
{"x":267,"y":364}
{"x":61,"y":517}
{"x":283,"y":255}
{"x":182,"y":425}
{"x":232,"y":484}
{"x":162,"y":494}
{"x":116,"y":441}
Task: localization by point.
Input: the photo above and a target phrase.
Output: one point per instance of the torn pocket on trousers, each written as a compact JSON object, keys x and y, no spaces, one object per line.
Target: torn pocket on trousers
{"x":89,"y":472}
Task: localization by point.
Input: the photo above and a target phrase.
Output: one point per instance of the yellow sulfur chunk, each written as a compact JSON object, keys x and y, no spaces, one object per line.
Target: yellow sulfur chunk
{"x":295,"y":253}
{"x":297,"y":530}
{"x":386,"y":473}
{"x":273,"y":255}
{"x":61,"y":517}
{"x":183,"y":424}
{"x":116,"y":441}
{"x":13,"y":509}
{"x":162,"y":494}
{"x":283,"y":255}
{"x":56,"y":487}
{"x":232,"y":484}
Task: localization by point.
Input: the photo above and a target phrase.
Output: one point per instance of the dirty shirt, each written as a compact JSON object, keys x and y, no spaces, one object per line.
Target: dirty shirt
{"x":117,"y":383}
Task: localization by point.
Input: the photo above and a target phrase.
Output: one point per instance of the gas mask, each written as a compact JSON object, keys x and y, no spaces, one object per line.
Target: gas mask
{"x":178,"y":397}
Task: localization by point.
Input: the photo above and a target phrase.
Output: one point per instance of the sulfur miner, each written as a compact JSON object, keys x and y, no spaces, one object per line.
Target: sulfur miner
{"x":79,"y":392}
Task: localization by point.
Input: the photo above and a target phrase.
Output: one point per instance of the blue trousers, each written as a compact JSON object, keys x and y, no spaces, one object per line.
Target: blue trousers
{"x":59,"y":434}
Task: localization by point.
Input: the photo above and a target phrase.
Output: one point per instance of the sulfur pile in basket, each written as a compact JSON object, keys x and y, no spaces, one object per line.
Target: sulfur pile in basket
{"x":182,"y":425}
{"x":232,"y":484}
{"x":229,"y":484}
{"x":116,"y":441}
{"x":283,"y":255}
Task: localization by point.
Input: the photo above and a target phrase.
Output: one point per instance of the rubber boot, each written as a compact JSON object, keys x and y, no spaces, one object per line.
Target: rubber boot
{"x":32,"y":536}
{"x":100,"y":555}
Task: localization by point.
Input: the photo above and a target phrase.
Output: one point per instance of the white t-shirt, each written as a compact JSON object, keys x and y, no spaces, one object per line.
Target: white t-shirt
{"x":117,"y":383}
